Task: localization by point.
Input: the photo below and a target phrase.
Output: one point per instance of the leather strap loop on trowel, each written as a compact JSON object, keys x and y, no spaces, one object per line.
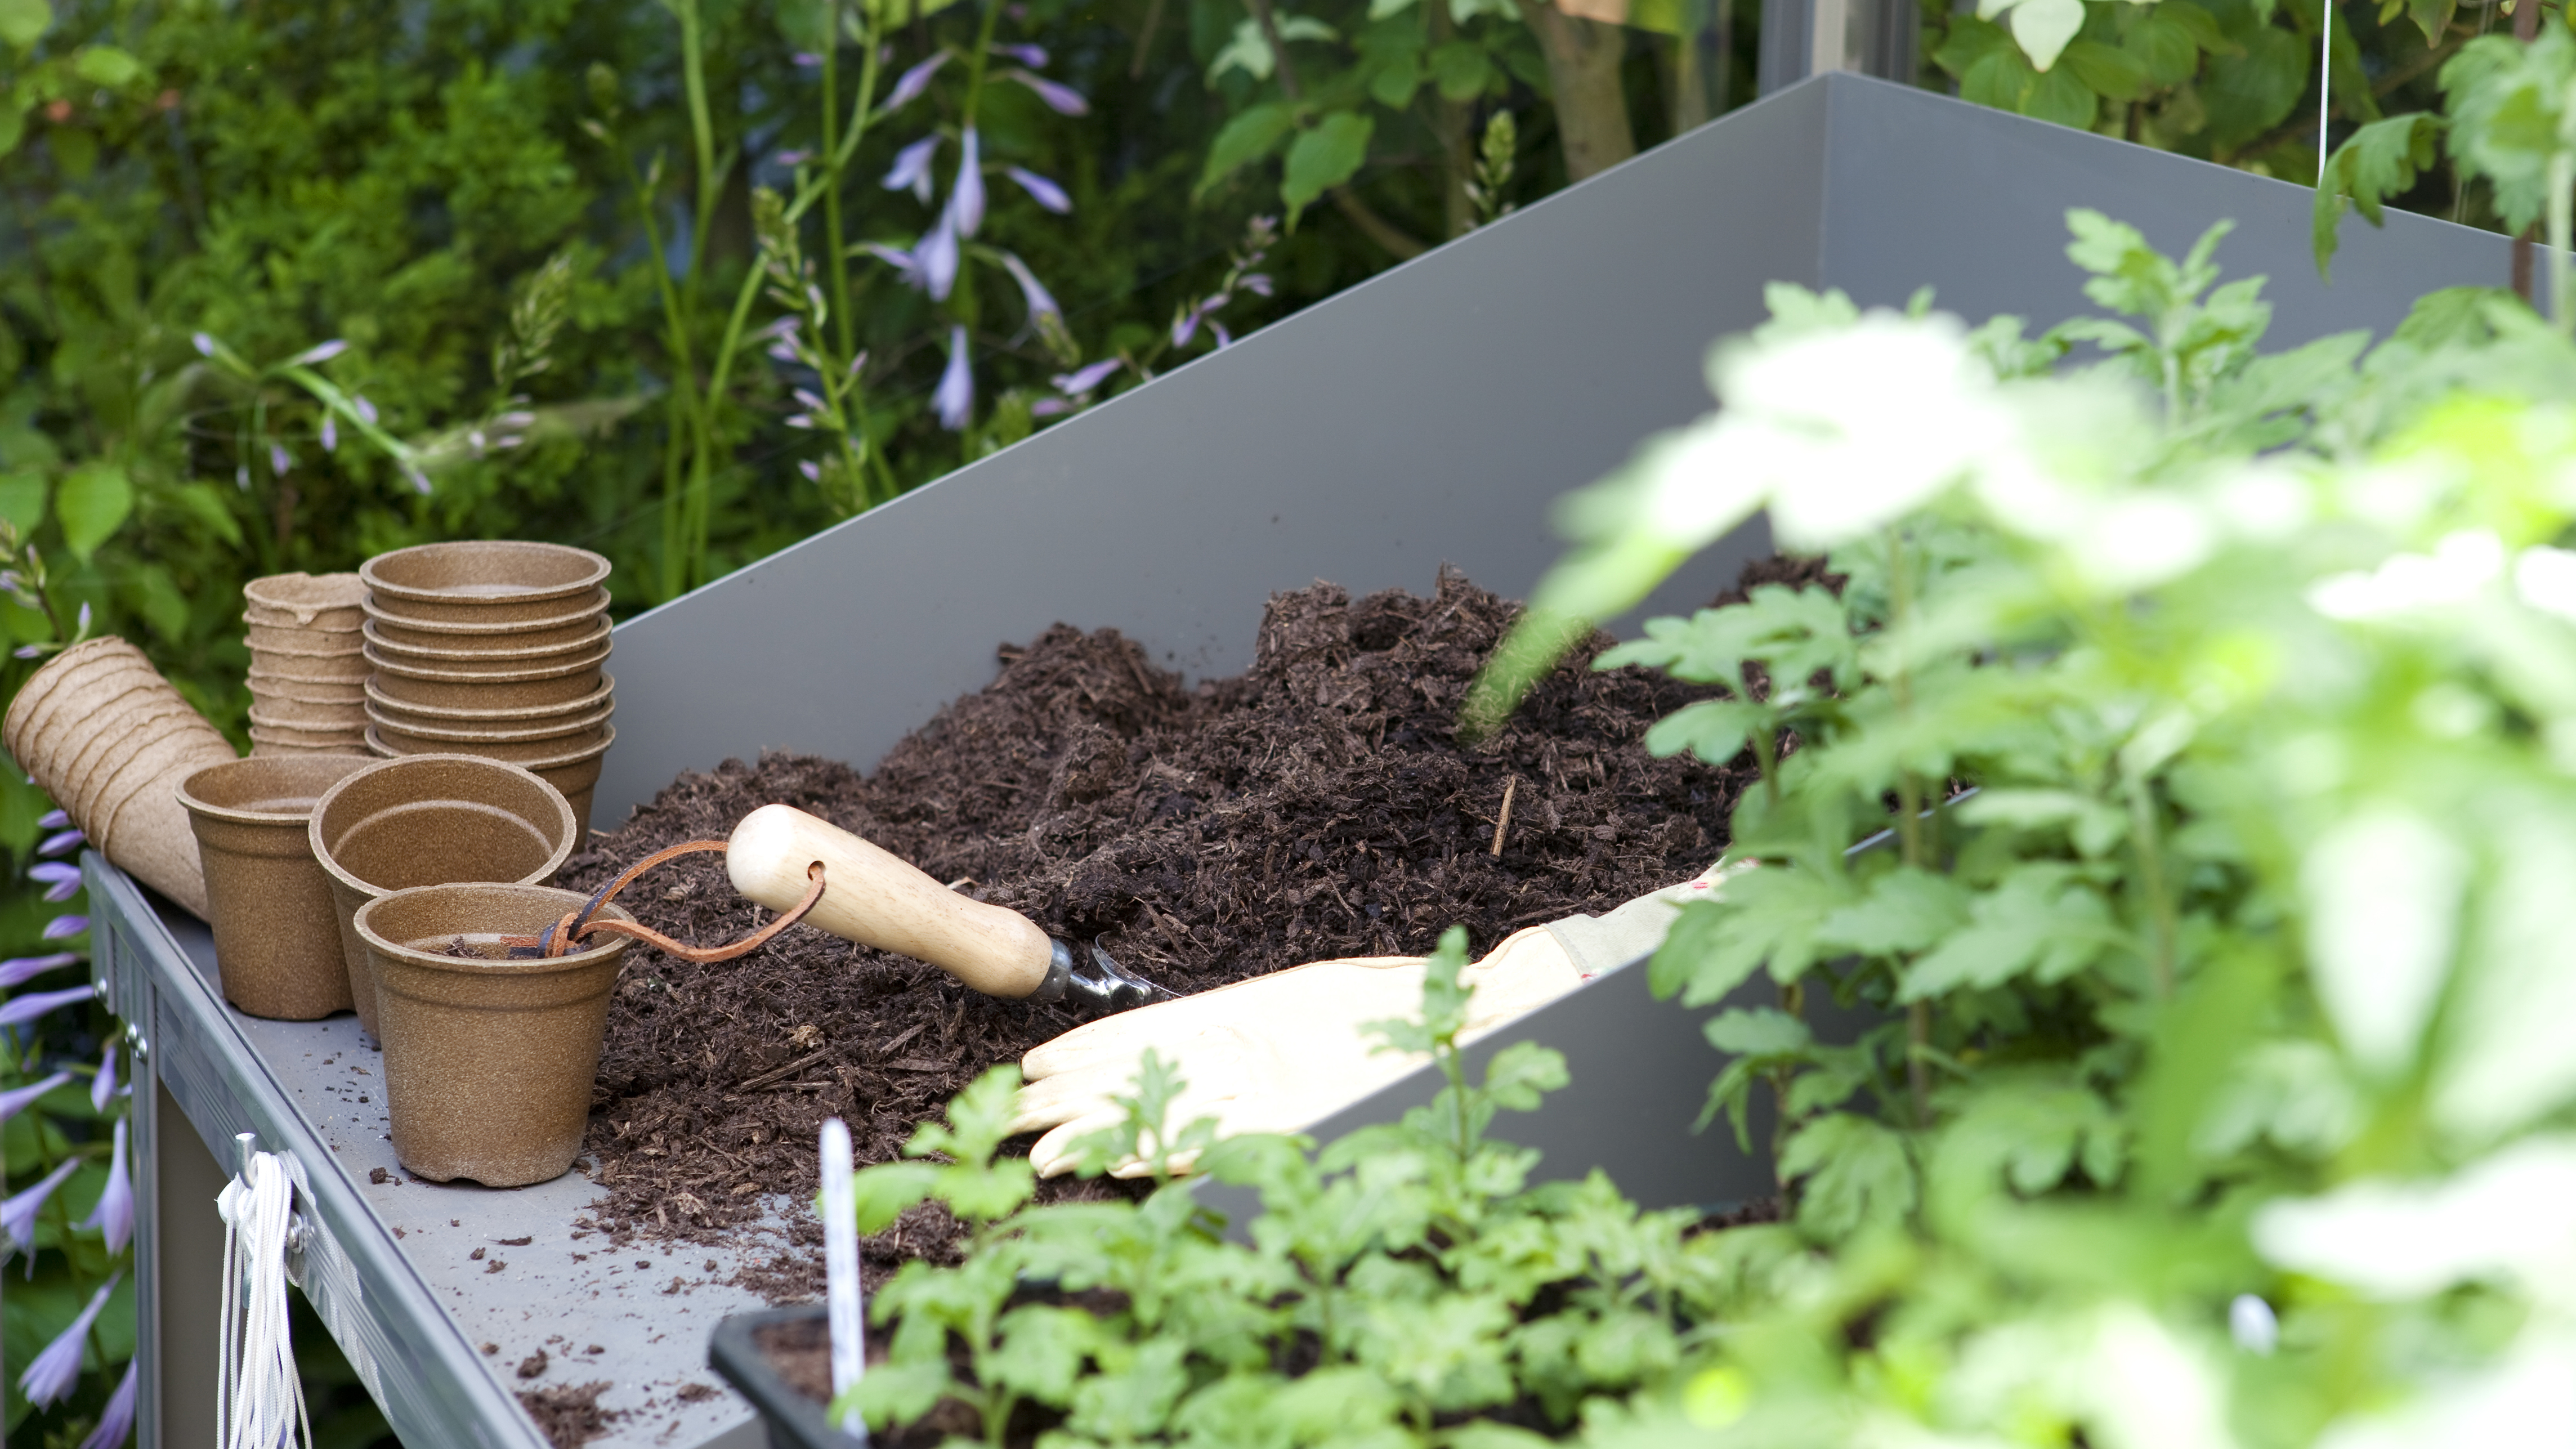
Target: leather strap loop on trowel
{"x":558,"y":937}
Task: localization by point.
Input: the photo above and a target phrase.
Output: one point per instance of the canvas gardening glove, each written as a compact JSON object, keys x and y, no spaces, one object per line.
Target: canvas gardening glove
{"x":1282,"y":1052}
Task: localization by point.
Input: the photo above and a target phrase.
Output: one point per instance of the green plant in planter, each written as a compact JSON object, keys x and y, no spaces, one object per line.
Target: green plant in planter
{"x":1404,"y":1287}
{"x":2218,"y":1098}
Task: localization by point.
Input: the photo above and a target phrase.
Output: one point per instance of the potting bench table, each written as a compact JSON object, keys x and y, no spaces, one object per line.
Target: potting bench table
{"x":1431,"y":415}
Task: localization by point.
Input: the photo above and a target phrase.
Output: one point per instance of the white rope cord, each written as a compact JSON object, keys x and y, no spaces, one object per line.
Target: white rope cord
{"x":259,"y":1402}
{"x":2325,"y":84}
{"x":842,"y":1292}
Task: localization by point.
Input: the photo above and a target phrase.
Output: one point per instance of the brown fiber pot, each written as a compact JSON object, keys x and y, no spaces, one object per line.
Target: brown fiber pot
{"x":504,"y":652}
{"x":266,"y":686}
{"x":408,"y":683}
{"x":432,"y":820}
{"x":390,"y":743}
{"x":395,"y":707}
{"x":411,"y":735}
{"x":488,"y":1062}
{"x":306,"y":601}
{"x":287,"y":637}
{"x":297,"y":714}
{"x":483,"y":583}
{"x":277,"y":934}
{"x":567,"y":619}
{"x":350,"y":668}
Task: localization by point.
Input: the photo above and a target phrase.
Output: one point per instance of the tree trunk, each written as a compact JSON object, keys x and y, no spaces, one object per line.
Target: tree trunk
{"x":1583,"y":70}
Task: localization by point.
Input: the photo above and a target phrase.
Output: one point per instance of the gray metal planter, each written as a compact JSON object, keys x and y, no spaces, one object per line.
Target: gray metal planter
{"x":1429,"y":416}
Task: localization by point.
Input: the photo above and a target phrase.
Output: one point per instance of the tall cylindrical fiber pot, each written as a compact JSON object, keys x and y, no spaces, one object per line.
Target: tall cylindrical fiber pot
{"x":277,"y":933}
{"x":432,"y":820}
{"x":481,"y":583}
{"x":106,"y":737}
{"x":488,"y":1060}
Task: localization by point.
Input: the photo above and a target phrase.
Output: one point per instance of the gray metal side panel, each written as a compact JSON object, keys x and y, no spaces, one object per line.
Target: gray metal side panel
{"x":1921,"y":189}
{"x":1433,"y":414}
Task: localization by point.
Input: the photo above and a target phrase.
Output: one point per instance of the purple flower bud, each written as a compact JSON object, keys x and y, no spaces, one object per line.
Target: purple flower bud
{"x":911,"y":170}
{"x":1034,"y":56}
{"x":1037,"y":296}
{"x":782,"y":352}
{"x":799,"y":420}
{"x":15,"y":1101}
{"x":80,"y":625}
{"x":955,"y":398}
{"x":322,"y":353}
{"x":793,"y":158}
{"x":1214,"y":303}
{"x":29,"y":651}
{"x":19,"y":1010}
{"x":968,"y":198}
{"x":116,"y":1421}
{"x":56,"y":1371}
{"x":1185,"y":327}
{"x":62,"y":926}
{"x":18,"y":970}
{"x":114,"y":1214}
{"x":18,"y":1214}
{"x":58,"y":843}
{"x":419,"y":479}
{"x":937,"y":254}
{"x":1084,"y":379}
{"x":63,"y":890}
{"x":1044,"y":192}
{"x":51,"y":871}
{"x":1064,"y":100}
{"x":1257,"y":284}
{"x":811,"y":402}
{"x":330,"y":433}
{"x":910,"y":85}
{"x":1047,"y":407}
{"x":366,"y":409}
{"x":806,"y":60}
{"x":54,"y":819}
{"x":1224,"y":339}
{"x":278,"y":461}
{"x":812,"y":470}
{"x":102,"y":1088}
{"x":205,"y":344}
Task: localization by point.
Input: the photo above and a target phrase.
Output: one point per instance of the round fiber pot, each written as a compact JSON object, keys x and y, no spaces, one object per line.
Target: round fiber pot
{"x":483,"y":583}
{"x":310,"y":737}
{"x":432,"y":820}
{"x":511,"y":688}
{"x":577,"y":775}
{"x":391,"y":743}
{"x":296,"y":714}
{"x":277,"y":935}
{"x":268,"y":687}
{"x":288,"y":637}
{"x":306,"y":601}
{"x":504,"y":652}
{"x":401,"y":710}
{"x":488,"y":1060}
{"x":564,"y":615}
{"x":349,"y":668}
{"x":390,"y":721}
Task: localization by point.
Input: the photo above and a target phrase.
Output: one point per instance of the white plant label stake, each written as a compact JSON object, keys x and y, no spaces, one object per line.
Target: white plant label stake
{"x":842,"y":1295}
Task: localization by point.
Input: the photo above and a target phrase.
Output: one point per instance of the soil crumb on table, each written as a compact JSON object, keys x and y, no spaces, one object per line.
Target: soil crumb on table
{"x":1318,"y":806}
{"x":569,"y":1414}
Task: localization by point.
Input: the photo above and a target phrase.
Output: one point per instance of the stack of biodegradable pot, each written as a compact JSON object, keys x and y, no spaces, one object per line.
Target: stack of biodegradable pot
{"x":102,"y":733}
{"x":492,"y":649}
{"x":307,"y":672}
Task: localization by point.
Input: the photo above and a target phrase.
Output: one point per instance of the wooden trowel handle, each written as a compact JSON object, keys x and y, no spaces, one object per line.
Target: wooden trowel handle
{"x":875,"y":899}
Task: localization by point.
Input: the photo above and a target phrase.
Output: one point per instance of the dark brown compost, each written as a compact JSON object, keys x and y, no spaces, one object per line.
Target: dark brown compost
{"x":1317,"y":806}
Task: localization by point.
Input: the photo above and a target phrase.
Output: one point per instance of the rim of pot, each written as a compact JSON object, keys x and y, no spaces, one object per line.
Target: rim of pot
{"x":596,"y":638}
{"x":495,"y":630}
{"x":467,"y":717}
{"x":481,"y":965}
{"x":439,"y":674}
{"x":572,"y":825}
{"x":323,"y":771}
{"x":555,"y":571}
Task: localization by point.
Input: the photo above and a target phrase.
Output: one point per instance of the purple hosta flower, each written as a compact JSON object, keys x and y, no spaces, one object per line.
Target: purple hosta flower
{"x":1047,"y":407}
{"x":812,"y":470}
{"x":1062,"y":99}
{"x":62,"y":879}
{"x":116,"y":1421}
{"x":1083,"y":379}
{"x":366,"y":409}
{"x":968,"y":198}
{"x":1032,"y":56}
{"x":18,"y":1214}
{"x":955,"y":398}
{"x":910,"y":85}
{"x":55,"y":1371}
{"x":114,"y":1215}
{"x":937,"y":255}
{"x":205,"y":344}
{"x":1185,"y":327}
{"x":321,"y":353}
{"x":54,"y":819}
{"x":419,"y":480}
{"x":1256,"y":283}
{"x":29,"y":651}
{"x":18,"y":970}
{"x":102,"y":1088}
{"x":806,"y":60}
{"x":330,"y":433}
{"x":60,"y":841}
{"x":1044,"y":192}
{"x":793,"y":158}
{"x":1224,"y":339}
{"x":278,"y":461}
{"x":1039,"y":299}
{"x":81,"y":624}
{"x":241,"y":479}
{"x":904,"y":262}
{"x":15,"y":1101}
{"x":63,"y":926}
{"x":911,"y":170}
{"x":21,"y":1009}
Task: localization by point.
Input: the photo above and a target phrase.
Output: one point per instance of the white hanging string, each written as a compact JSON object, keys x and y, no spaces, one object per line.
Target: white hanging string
{"x":2325,"y":83}
{"x":259,"y":1402}
{"x":842,"y":1293}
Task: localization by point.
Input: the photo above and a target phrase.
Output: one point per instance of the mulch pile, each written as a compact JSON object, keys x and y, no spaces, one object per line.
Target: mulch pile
{"x":1317,"y":806}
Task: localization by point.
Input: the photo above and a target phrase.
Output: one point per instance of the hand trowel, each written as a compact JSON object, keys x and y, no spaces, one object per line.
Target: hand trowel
{"x":876,"y":899}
